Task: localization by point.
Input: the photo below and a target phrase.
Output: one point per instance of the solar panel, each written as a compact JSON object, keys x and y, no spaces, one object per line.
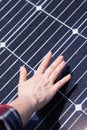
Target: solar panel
{"x":31,"y":28}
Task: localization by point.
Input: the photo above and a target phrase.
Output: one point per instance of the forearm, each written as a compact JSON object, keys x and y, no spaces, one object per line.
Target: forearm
{"x":24,"y":109}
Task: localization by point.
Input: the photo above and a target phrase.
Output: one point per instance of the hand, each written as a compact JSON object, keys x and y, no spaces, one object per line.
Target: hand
{"x":40,"y":89}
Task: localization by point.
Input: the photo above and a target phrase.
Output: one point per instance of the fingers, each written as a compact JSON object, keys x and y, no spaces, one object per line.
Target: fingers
{"x":53,"y":66}
{"x":57,"y":71}
{"x":23,"y":75}
{"x":60,"y":83}
{"x":42,"y":67}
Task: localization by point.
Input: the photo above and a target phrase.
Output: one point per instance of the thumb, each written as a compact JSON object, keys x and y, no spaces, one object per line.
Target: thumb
{"x":23,"y":75}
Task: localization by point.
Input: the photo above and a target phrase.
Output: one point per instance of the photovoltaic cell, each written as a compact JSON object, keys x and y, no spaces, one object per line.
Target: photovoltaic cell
{"x":31,"y":28}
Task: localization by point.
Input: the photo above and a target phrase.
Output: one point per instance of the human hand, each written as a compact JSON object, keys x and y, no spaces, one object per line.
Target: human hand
{"x":36,"y":92}
{"x":40,"y":88}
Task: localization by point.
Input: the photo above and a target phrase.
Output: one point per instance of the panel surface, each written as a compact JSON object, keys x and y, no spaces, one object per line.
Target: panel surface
{"x":31,"y":28}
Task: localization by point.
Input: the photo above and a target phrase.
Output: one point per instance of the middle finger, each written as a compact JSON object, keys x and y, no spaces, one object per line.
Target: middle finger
{"x":52,"y":67}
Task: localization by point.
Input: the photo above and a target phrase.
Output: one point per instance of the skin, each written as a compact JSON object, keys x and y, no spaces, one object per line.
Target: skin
{"x":36,"y":92}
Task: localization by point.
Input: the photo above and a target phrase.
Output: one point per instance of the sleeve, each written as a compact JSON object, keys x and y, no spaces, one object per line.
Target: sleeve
{"x":9,"y":118}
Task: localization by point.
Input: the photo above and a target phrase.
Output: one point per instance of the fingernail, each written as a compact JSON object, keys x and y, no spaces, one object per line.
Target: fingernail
{"x":49,"y":53}
{"x":69,"y":76}
{"x":21,"y":68}
{"x":63,"y":62}
{"x":62,"y":57}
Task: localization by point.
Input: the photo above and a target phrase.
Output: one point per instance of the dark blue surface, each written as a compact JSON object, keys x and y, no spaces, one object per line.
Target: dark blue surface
{"x":29,"y":34}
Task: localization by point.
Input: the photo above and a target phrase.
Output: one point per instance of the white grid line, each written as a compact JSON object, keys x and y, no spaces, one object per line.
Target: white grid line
{"x":82,"y":23}
{"x":41,"y":59}
{"x":63,"y":23}
{"x":16,"y":25}
{"x":80,"y":18}
{"x":14,"y":16}
{"x":53,"y":109}
{"x":26,"y":37}
{"x":10,"y":9}
{"x":19,"y":58}
{"x":76,"y":10}
{"x":74,"y":101}
{"x":66,"y":8}
{"x":81,"y":60}
{"x":75,"y":121}
{"x":5,"y":5}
